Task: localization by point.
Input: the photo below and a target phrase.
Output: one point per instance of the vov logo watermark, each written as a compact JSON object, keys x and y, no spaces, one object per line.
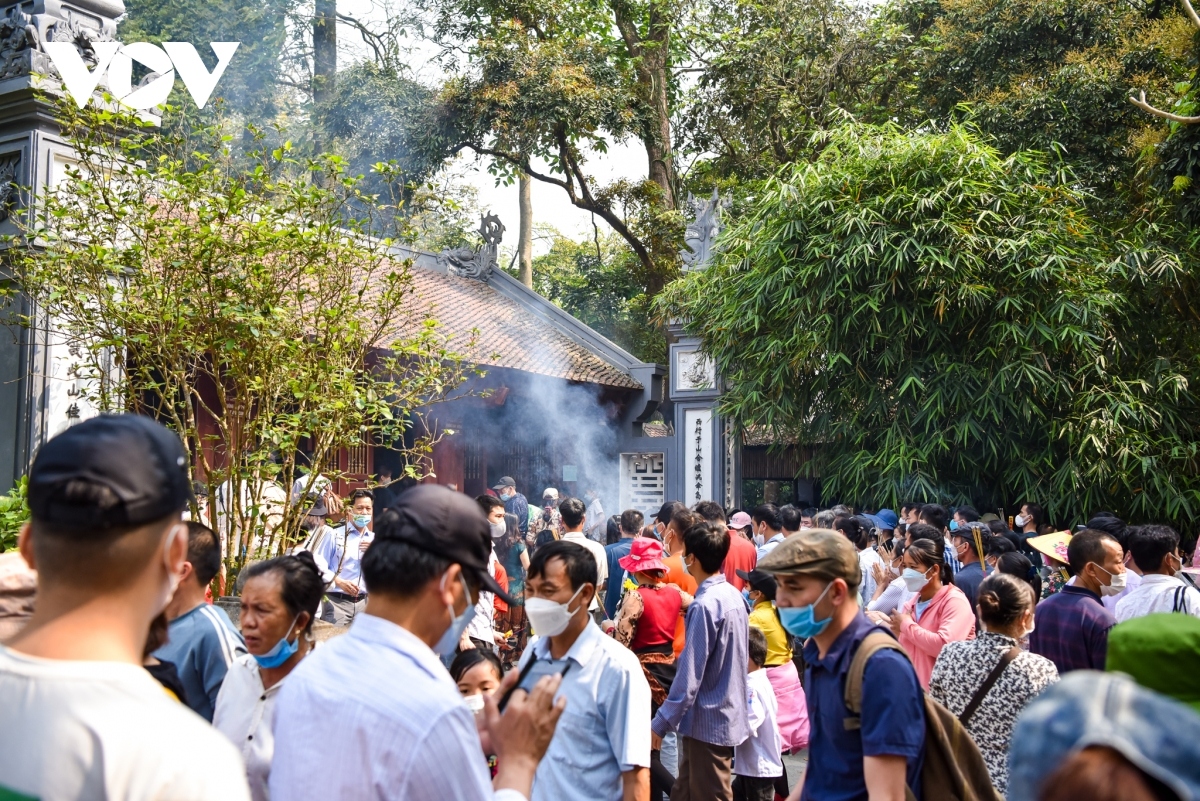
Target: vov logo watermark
{"x":117,"y":60}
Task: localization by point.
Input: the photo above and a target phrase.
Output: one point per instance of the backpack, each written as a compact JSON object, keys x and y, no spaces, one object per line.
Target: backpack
{"x":954,"y":769}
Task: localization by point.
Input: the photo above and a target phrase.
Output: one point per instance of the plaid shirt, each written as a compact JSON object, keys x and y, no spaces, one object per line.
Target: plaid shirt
{"x":1071,"y":630}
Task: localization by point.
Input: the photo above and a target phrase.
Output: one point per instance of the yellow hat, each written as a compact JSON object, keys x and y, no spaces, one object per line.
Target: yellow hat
{"x":1052,"y":545}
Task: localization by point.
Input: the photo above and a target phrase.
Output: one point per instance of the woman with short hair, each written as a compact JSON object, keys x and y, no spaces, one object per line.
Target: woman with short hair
{"x":961,"y":675}
{"x":279,"y":603}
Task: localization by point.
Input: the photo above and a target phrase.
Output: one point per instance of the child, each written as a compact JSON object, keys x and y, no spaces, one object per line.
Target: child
{"x":757,"y":761}
{"x":477,"y":673}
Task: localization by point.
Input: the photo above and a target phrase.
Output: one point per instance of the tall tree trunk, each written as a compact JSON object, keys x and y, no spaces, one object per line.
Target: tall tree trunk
{"x":324,"y":49}
{"x":525,"y":235}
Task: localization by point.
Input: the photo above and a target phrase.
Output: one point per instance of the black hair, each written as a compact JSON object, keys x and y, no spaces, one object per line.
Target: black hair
{"x":808,"y":511}
{"x":1111,"y":524}
{"x":612,"y":531}
{"x":935,"y":515}
{"x":854,"y":530}
{"x":488,"y":502}
{"x":204,"y":552}
{"x":908,"y":506}
{"x":1036,"y":512}
{"x":789,"y":518}
{"x":684,"y":518}
{"x":1003,"y":599}
{"x":967,"y":513}
{"x":924,"y":531}
{"x":929,"y":553}
{"x":300,"y":579}
{"x":767,"y":513}
{"x":361,"y":493}
{"x":391,"y":565}
{"x":1086,"y":546}
{"x":632,"y":520}
{"x":710,"y":511}
{"x":1019,"y":565}
{"x":999,"y":528}
{"x":998,"y":546}
{"x":578,"y":562}
{"x":472,"y":657}
{"x":572,"y":511}
{"x":709,"y":543}
{"x":668,"y":511}
{"x":1149,"y":544}
{"x":756,"y":641}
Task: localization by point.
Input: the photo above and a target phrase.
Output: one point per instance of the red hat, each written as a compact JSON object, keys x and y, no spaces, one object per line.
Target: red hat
{"x":644,"y":554}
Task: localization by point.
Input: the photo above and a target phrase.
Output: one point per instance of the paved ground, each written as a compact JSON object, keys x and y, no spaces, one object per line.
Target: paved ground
{"x":794,"y":763}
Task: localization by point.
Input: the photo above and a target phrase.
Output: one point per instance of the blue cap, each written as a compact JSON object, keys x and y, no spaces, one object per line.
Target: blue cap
{"x":1089,"y":708}
{"x":886,"y":519}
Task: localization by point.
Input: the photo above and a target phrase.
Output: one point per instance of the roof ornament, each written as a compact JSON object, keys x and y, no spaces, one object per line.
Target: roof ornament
{"x":478,"y":264}
{"x":702,"y":231}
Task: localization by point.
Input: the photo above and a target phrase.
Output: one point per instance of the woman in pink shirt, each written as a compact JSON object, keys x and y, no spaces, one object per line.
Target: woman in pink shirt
{"x":939,"y":612}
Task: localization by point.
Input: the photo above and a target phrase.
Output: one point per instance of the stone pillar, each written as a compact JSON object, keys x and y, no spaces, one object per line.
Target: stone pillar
{"x":39,"y":394}
{"x":705,"y":463}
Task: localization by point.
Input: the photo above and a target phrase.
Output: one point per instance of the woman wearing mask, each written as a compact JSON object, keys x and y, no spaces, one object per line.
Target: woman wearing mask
{"x":939,"y":613}
{"x":279,"y":602}
{"x":990,"y":676}
{"x":891,"y":593}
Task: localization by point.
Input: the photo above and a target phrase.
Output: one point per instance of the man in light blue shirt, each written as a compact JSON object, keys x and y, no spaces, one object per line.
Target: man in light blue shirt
{"x":768,"y":528}
{"x":374,"y":713}
{"x":602,"y":749}
{"x":341,"y":550}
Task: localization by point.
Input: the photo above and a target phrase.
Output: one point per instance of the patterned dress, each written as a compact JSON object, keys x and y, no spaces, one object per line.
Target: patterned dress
{"x":961,"y":668}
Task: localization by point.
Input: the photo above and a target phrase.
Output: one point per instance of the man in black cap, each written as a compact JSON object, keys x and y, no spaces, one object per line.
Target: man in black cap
{"x":375,"y":708}
{"x":82,"y":718}
{"x":514,"y":502}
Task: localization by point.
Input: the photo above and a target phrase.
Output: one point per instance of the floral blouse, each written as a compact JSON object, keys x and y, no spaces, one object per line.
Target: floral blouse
{"x":961,"y":668}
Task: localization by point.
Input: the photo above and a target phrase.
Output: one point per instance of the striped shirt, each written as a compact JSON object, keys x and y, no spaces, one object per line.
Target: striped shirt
{"x":1071,"y":630}
{"x":708,"y":697}
{"x":202,"y":645}
{"x":374,"y":714}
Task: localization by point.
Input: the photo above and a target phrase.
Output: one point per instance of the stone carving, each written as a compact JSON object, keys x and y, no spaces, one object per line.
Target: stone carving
{"x":9,"y":162}
{"x":478,"y":264}
{"x":22,"y":35}
{"x":702,"y":231}
{"x":696,"y":371}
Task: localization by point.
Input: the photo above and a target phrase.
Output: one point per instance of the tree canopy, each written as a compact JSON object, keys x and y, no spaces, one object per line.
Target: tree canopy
{"x":940,"y":320}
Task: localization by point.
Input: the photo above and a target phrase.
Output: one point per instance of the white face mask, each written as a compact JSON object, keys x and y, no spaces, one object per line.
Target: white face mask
{"x":758,"y":539}
{"x":474,"y":702}
{"x":550,"y":618}
{"x":1115,"y":586}
{"x":498,"y":530}
{"x":1021,"y":520}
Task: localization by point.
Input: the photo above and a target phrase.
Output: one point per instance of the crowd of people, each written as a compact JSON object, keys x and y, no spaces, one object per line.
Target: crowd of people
{"x":434,"y":646}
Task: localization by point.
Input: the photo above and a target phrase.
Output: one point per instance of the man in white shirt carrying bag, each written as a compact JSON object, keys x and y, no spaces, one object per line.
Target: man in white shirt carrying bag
{"x":81,"y":717}
{"x":374,"y":713}
{"x":1155,"y":550}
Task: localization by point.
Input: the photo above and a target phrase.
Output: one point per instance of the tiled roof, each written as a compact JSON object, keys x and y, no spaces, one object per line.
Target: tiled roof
{"x":509,"y":334}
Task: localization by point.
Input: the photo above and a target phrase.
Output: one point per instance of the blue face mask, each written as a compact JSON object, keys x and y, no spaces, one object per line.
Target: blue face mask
{"x":746,"y":596}
{"x":954,"y":525}
{"x":361,"y":522}
{"x":282,"y":652}
{"x":801,"y":621}
{"x":449,"y":641}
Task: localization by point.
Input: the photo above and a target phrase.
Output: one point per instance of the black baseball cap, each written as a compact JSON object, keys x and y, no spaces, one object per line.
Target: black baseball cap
{"x":138,"y":466}
{"x":505,"y":481}
{"x":759,"y":580}
{"x":445,"y":523}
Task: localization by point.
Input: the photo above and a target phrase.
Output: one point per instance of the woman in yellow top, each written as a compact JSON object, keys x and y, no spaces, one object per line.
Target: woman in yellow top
{"x":781,"y":670}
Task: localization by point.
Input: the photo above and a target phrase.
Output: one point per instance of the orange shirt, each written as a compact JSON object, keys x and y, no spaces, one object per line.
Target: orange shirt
{"x":677,"y":574}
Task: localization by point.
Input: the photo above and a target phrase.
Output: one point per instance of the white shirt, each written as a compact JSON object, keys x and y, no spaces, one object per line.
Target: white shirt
{"x":341,"y":549}
{"x":770,"y":545}
{"x":601,"y":559}
{"x":1132,"y":582}
{"x":866,"y":558}
{"x":605,"y":729}
{"x":373,"y":714}
{"x":759,"y":756}
{"x":894,"y":597}
{"x":245,"y":714}
{"x":106,"y":730}
{"x":595,"y":524}
{"x":1157,"y":594}
{"x":482,"y":626}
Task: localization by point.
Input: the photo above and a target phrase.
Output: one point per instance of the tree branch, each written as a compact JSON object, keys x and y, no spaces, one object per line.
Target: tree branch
{"x":1141,"y":103}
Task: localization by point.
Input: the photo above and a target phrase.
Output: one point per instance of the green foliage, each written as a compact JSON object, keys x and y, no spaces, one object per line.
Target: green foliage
{"x":940,"y":320}
{"x":14,"y":511}
{"x":596,"y":283}
{"x":250,"y":309}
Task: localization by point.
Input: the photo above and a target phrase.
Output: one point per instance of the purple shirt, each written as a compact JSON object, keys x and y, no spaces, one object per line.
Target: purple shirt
{"x":708,"y":696}
{"x":1071,"y":630}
